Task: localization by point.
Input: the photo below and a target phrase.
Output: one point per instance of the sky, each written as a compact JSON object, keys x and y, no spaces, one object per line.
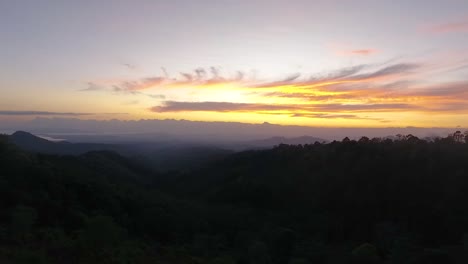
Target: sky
{"x":297,"y":62}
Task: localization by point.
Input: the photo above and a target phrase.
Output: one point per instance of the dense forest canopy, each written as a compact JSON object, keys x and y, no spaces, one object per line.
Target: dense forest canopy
{"x":401,"y":200}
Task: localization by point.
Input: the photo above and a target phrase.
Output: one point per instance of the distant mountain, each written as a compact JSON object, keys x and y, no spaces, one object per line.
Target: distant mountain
{"x":275,"y":141}
{"x":162,"y":156}
{"x":150,"y":130}
{"x":25,"y":139}
{"x":30,"y":142}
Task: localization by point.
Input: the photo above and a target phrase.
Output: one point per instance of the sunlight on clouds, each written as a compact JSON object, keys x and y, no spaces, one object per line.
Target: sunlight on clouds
{"x":363,"y":95}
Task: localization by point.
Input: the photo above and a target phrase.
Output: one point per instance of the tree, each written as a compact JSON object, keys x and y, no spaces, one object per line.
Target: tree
{"x":400,"y":137}
{"x":459,"y":137}
{"x":365,"y":253}
{"x":411,"y":137}
{"x":282,"y":245}
{"x":364,"y":140}
{"x":100,"y":236}
{"x":258,"y":253}
{"x":22,"y":220}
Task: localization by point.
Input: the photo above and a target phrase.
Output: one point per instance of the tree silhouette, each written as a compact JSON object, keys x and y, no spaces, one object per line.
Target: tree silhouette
{"x":459,"y":137}
{"x":22,"y":220}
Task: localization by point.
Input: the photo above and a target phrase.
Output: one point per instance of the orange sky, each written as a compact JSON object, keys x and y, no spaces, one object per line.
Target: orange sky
{"x":391,"y":94}
{"x":323,"y":63}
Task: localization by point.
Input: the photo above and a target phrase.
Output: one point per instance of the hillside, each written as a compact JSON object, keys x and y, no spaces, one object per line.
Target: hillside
{"x":161,"y":156}
{"x":366,"y":201}
{"x":30,"y":142}
{"x":381,"y":191}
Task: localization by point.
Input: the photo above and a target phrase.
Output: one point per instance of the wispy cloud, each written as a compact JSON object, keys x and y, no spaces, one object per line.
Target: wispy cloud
{"x":198,"y":77}
{"x":173,"y":106}
{"x":339,"y":116}
{"x":357,"y":52}
{"x":41,"y":113}
{"x":346,"y":75}
{"x":455,"y":90}
{"x":129,"y":66}
{"x":363,"y":51}
{"x":390,"y":70}
{"x":125,"y":88}
{"x":142,"y":84}
{"x":205,"y":78}
{"x":358,"y":92}
{"x":156,"y":96}
{"x":457,"y":26}
{"x":91,"y":86}
{"x":383,"y":107}
{"x":47,"y":113}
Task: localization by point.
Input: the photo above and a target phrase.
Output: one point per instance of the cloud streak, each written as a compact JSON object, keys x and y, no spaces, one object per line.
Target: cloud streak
{"x":173,"y":106}
{"x":363,"y":51}
{"x":46,"y":113}
{"x":458,"y":26}
{"x":41,"y":113}
{"x":347,"y":75}
{"x":93,"y":87}
{"x":371,"y":92}
{"x":357,"y":52}
{"x":205,"y":78}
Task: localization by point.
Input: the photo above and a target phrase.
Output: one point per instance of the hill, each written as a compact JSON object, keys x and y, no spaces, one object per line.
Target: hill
{"x":381,"y":191}
{"x":366,"y":201}
{"x":161,"y":156}
{"x":30,"y":142}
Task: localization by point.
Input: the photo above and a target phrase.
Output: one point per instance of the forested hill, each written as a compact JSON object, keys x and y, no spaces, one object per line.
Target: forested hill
{"x":366,"y":201}
{"x":159,"y":155}
{"x":381,"y":190}
{"x":30,"y":142}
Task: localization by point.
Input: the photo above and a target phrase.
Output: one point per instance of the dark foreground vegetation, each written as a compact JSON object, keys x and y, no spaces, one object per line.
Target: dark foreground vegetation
{"x":366,"y":201}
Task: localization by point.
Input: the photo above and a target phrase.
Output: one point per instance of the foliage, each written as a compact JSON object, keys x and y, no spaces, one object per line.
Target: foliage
{"x":364,"y":201}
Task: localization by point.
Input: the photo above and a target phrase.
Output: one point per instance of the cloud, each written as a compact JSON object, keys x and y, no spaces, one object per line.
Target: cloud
{"x":456,"y":90}
{"x":358,"y":52}
{"x":458,"y":26}
{"x":364,"y":107}
{"x":156,"y":96}
{"x":129,"y":66}
{"x":287,"y":81}
{"x":201,"y":77}
{"x":122,"y":90}
{"x":142,"y":84}
{"x":450,"y":107}
{"x":337,"y":116}
{"x":303,"y":96}
{"x":127,"y":88}
{"x":348,"y":93}
{"x":187,"y":76}
{"x":346,"y":75}
{"x":174,"y":106}
{"x":41,"y":113}
{"x":342,"y":73}
{"x":91,"y":86}
{"x":363,"y":51}
{"x":387,"y":71}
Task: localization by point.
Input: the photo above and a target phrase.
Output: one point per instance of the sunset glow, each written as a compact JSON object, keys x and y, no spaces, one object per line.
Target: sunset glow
{"x":292,"y":71}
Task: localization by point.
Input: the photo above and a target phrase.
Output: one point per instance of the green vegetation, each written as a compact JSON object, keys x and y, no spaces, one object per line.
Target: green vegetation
{"x":366,"y":201}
